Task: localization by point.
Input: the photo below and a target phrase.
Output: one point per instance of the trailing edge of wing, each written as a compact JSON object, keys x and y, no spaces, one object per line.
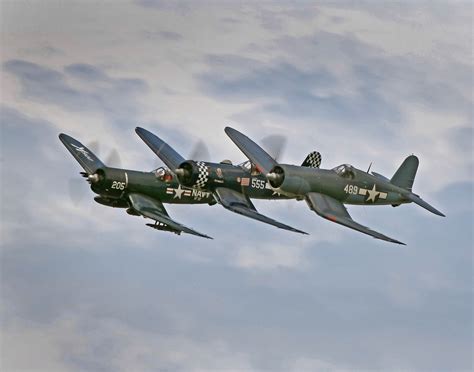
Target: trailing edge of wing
{"x":254,"y":152}
{"x":238,"y":203}
{"x":164,"y":151}
{"x":155,"y":210}
{"x":333,"y":210}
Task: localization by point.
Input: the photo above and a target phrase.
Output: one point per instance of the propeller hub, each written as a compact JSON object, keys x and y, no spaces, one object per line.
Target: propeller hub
{"x":274,"y":177}
{"x":180,"y":172}
{"x":93,"y":178}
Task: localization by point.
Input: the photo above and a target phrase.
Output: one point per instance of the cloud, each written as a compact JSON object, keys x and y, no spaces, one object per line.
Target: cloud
{"x":159,"y":36}
{"x":355,"y":84}
{"x":77,"y":342}
{"x":80,"y":88}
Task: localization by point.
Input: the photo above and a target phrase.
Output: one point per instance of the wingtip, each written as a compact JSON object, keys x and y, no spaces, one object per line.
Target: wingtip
{"x":229,"y":131}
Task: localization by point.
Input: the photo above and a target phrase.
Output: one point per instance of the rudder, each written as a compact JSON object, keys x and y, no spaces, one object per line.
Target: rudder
{"x":313,"y":160}
{"x":405,"y":174}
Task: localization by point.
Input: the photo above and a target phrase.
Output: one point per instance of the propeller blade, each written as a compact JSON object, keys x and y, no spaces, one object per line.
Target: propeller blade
{"x":274,"y":145}
{"x":94,"y":146}
{"x":77,"y":190}
{"x":199,"y":152}
{"x":114,"y":159}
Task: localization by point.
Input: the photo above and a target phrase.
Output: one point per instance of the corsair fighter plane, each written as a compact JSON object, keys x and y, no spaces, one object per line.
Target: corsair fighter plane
{"x":327,"y":190}
{"x":231,"y":185}
{"x":140,"y":193}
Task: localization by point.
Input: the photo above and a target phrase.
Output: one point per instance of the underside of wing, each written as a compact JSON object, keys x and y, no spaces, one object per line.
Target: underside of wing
{"x":333,"y":210}
{"x":241,"y":204}
{"x":154,"y":209}
{"x":164,"y":151}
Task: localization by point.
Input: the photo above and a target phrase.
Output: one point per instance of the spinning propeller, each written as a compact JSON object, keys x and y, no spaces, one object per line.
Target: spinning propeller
{"x":76,"y":188}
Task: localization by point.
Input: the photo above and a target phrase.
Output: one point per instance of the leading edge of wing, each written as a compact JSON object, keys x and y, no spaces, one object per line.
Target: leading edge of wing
{"x":155,"y":210}
{"x":333,"y":210}
{"x":239,"y":203}
{"x":164,"y":151}
{"x":88,"y":161}
{"x":254,"y":152}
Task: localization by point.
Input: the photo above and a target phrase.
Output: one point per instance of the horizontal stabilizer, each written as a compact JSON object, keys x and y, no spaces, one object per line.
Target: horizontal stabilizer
{"x":333,"y":210}
{"x":85,"y":157}
{"x":241,"y":204}
{"x":417,"y":200}
{"x":164,"y":151}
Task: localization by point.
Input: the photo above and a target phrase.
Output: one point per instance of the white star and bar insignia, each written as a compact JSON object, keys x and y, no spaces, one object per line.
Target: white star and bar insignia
{"x":373,"y":193}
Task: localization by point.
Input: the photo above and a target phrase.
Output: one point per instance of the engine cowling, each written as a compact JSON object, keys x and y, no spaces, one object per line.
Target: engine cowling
{"x":206,"y":176}
{"x":193,"y":174}
{"x":109,"y":181}
{"x":288,"y":180}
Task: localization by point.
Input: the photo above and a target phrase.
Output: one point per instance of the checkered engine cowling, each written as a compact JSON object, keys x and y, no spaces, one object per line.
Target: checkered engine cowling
{"x":202,"y":176}
{"x":313,"y":160}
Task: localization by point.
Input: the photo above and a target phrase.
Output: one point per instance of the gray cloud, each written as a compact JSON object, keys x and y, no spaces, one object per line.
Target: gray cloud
{"x":382,"y":84}
{"x":321,"y":313}
{"x":115,"y":98}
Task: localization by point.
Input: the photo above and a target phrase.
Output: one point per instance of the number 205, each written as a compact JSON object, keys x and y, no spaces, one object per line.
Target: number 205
{"x":351,"y":189}
{"x":118,"y":185}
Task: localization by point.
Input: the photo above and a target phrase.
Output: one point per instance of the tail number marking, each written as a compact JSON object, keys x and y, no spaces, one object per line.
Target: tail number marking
{"x":118,"y":185}
{"x":351,"y":189}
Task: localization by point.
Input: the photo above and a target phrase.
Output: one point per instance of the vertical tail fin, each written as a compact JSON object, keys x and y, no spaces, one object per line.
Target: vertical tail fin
{"x":405,"y":174}
{"x":313,"y":160}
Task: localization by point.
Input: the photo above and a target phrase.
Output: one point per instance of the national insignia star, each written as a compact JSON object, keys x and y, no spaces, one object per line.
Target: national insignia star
{"x":372,"y":194}
{"x":178,"y":192}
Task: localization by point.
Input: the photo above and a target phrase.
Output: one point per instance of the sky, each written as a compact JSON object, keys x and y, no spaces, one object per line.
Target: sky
{"x":90,"y":288}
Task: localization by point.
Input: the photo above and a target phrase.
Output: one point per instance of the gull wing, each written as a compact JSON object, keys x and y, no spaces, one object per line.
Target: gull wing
{"x":241,"y":204}
{"x":164,"y":151}
{"x":333,"y":210}
{"x":85,"y":157}
{"x":254,"y":152}
{"x":155,"y":210}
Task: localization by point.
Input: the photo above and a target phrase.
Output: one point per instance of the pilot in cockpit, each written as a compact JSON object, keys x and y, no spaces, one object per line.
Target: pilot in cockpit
{"x":345,"y":170}
{"x":164,"y":174}
{"x":249,"y":166}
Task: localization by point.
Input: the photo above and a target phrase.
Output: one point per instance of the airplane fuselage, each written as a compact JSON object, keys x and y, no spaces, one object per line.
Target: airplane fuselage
{"x":116,"y":183}
{"x":359,"y":188}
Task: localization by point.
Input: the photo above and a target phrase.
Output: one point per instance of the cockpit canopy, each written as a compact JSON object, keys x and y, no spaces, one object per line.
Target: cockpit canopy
{"x":250,"y":167}
{"x":163,"y":174}
{"x":345,"y":170}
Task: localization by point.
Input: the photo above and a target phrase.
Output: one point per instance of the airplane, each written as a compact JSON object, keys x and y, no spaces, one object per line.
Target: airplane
{"x":327,"y":190}
{"x":231,"y":185}
{"x":140,"y":193}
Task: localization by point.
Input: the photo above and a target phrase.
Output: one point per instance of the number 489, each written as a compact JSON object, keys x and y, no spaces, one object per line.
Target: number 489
{"x":351,"y":189}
